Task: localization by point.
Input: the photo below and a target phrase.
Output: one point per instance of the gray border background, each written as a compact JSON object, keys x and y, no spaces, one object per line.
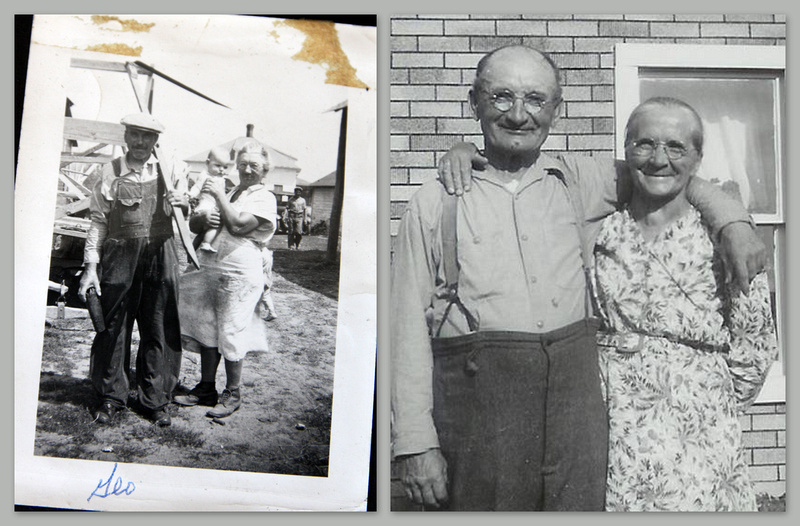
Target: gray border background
{"x":384,"y":11}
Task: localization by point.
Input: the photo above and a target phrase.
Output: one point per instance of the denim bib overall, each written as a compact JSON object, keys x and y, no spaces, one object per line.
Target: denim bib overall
{"x":138,"y":280}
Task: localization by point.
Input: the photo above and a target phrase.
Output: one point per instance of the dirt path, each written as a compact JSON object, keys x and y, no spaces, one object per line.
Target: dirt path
{"x":283,"y":425}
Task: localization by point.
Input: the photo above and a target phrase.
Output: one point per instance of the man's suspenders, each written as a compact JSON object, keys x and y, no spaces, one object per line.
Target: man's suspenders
{"x":575,"y":201}
{"x":448,"y":232}
{"x":450,"y":266}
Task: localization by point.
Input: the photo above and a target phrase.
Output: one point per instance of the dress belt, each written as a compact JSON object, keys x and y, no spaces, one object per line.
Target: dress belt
{"x":633,"y":342}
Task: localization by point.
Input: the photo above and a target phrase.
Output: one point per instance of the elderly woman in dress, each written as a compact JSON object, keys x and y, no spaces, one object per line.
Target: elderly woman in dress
{"x":219,"y":304}
{"x":682,"y":352}
{"x":682,"y":355}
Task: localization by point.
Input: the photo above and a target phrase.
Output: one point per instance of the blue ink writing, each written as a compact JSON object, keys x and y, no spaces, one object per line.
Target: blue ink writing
{"x":104,"y":488}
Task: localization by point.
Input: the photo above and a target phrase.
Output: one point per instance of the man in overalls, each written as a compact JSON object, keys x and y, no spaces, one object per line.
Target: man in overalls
{"x":131,"y":262}
{"x":496,"y":400}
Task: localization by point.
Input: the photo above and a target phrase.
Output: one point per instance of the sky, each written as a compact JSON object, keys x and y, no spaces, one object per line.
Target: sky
{"x":242,"y":62}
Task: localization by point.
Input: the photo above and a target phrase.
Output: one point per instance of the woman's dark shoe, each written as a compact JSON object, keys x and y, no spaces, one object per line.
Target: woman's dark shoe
{"x":229,"y":402}
{"x":202,"y":394}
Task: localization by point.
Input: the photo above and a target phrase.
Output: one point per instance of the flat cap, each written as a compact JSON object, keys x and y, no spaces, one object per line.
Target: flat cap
{"x":145,"y":121}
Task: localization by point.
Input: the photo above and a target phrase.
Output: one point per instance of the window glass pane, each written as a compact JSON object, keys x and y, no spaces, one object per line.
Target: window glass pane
{"x":740,"y":131}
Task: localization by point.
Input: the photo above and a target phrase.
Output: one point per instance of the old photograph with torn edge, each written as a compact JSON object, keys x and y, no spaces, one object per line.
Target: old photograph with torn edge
{"x":195,"y":254}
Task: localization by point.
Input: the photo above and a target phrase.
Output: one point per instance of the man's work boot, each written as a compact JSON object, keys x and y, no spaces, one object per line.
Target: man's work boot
{"x":106,"y":412}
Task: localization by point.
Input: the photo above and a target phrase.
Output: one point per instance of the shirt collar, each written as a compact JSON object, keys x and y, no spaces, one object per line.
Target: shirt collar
{"x":536,"y":172}
{"x":250,"y":189}
{"x":149,"y":163}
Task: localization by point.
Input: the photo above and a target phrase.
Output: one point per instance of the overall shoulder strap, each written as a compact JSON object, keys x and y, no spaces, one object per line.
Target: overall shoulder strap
{"x":116,"y":164}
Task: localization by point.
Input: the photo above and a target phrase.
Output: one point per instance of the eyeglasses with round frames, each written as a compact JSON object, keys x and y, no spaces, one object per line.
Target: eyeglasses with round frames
{"x":254,"y":167}
{"x":646,"y":148}
{"x":504,"y":100}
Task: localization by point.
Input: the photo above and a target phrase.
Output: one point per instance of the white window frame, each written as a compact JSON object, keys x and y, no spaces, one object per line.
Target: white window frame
{"x":630,"y":59}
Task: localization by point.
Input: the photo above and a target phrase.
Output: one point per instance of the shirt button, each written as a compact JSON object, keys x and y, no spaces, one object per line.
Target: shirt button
{"x":476,"y":239}
{"x":533,"y":279}
{"x":540,"y":324}
{"x":524,"y":237}
{"x":555,"y":302}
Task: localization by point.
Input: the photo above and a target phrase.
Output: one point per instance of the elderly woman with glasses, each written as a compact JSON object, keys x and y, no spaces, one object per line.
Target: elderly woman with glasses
{"x":682,"y":352}
{"x":682,"y":355}
{"x":219,"y":304}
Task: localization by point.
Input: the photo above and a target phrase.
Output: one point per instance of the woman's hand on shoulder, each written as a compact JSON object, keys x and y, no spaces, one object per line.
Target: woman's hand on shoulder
{"x":455,"y":167}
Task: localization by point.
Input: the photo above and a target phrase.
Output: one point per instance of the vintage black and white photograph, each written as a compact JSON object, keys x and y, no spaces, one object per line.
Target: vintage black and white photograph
{"x":195,"y":255}
{"x":588,"y":262}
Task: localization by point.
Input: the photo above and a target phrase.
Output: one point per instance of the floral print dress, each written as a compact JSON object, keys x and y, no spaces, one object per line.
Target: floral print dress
{"x":681,"y":359}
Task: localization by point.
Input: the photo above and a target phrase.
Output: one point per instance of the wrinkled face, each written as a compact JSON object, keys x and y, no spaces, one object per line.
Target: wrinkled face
{"x":655,"y":174}
{"x":522,"y":75}
{"x":251,"y":169}
{"x":216,"y":166}
{"x":140,"y":142}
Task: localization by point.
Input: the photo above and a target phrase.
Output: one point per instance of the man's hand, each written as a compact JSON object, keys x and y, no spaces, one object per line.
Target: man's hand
{"x":89,"y":279}
{"x":176,"y":198}
{"x":424,"y":477}
{"x":455,"y":168}
{"x":743,"y":253}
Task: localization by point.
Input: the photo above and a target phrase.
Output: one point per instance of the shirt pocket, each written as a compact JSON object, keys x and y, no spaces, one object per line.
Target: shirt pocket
{"x":129,"y":203}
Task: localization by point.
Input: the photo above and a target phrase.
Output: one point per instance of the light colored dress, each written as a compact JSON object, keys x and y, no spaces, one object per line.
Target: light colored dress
{"x":683,"y":360}
{"x":218,"y":304}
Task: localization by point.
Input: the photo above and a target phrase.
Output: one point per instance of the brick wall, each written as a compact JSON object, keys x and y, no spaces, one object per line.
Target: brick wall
{"x":764,"y":438}
{"x":433,"y":59}
{"x":432,"y":66}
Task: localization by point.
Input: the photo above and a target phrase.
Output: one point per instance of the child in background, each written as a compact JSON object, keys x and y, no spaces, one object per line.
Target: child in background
{"x":218,"y":164}
{"x":268,"y":312}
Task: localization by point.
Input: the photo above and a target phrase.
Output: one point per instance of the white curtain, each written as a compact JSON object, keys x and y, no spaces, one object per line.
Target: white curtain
{"x":739,"y":120}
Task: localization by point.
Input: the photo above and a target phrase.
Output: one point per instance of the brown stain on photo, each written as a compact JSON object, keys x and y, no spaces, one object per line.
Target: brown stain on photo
{"x":127,"y":25}
{"x":117,"y":49}
{"x":322,"y":47}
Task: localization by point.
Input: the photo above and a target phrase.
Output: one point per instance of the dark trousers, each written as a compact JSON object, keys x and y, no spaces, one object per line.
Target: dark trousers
{"x":521,"y":420}
{"x":138,"y":282}
{"x":295,"y":227}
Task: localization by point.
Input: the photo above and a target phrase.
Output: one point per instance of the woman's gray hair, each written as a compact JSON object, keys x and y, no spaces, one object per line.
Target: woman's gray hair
{"x":668,"y":102}
{"x":252,"y":145}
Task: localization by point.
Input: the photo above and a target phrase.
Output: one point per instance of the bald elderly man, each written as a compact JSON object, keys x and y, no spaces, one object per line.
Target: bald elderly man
{"x":496,"y":401}
{"x":130,"y":260}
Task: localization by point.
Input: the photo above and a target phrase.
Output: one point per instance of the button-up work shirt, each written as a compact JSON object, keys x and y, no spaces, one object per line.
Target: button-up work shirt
{"x":102,"y":198}
{"x":296,"y":205}
{"x":519,"y":253}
